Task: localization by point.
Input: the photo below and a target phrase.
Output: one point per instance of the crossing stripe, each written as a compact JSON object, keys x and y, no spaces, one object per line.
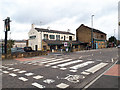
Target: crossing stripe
{"x":52,"y":60}
{"x":23,"y":79}
{"x":81,"y":65}
{"x":38,"y":85}
{"x":53,"y":63}
{"x":96,"y":67}
{"x":69,"y":63}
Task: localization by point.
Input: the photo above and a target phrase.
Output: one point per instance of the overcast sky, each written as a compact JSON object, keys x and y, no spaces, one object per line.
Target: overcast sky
{"x":58,"y":15}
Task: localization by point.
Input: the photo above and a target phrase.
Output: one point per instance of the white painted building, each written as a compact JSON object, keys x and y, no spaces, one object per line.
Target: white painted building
{"x":37,"y":35}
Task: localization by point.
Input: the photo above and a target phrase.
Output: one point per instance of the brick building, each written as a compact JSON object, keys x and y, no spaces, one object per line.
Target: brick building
{"x":83,"y":33}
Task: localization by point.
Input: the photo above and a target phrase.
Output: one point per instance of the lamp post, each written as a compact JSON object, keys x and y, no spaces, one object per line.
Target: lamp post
{"x":92,"y":30}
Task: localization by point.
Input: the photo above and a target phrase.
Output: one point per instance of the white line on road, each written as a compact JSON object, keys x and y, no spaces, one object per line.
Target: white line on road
{"x":29,"y":74}
{"x":52,"y":60}
{"x":59,"y":62}
{"x":69,"y":63}
{"x":96,"y":67}
{"x":22,"y":71}
{"x":5,"y":72}
{"x":38,"y":77}
{"x":62,"y":85}
{"x":23,"y":79}
{"x":38,"y":85}
{"x":81,"y":65}
{"x":12,"y":74}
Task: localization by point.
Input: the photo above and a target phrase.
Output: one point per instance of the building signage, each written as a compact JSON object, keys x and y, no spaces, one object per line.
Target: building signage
{"x":65,"y":44}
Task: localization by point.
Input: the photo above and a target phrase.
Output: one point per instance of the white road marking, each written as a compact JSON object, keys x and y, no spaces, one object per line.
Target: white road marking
{"x":12,"y":74}
{"x":38,"y":85}
{"x":73,"y":70}
{"x":96,"y":67}
{"x":52,"y":60}
{"x":5,"y":71}
{"x":69,"y":63}
{"x":63,"y":68}
{"x":59,"y":62}
{"x":23,"y":79}
{"x":38,"y":77}
{"x":22,"y":71}
{"x":29,"y":74}
{"x":62,"y":85}
{"x":85,"y":73}
{"x":49,"y":81}
{"x":54,"y":67}
{"x":10,"y":68}
{"x":16,"y":70}
{"x":81,"y":65}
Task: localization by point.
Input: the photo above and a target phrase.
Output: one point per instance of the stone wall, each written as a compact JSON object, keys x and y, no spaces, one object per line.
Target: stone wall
{"x":23,"y":55}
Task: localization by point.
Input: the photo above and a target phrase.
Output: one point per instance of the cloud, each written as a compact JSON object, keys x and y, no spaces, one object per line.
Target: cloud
{"x":59,"y":14}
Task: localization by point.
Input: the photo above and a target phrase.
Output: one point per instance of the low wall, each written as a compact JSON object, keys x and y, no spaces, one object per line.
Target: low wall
{"x":23,"y":55}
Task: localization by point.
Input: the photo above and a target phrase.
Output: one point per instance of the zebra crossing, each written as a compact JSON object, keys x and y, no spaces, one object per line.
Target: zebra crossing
{"x":63,"y":64}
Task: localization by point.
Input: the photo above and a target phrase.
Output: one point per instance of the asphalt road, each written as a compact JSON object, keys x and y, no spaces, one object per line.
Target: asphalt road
{"x":65,"y":70}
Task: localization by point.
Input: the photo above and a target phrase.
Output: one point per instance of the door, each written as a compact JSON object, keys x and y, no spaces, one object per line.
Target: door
{"x":36,"y":47}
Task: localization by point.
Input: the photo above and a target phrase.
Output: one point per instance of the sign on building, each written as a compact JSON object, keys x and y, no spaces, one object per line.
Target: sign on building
{"x":65,"y":44}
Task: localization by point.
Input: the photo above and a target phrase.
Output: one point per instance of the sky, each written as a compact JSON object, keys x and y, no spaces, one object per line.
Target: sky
{"x":58,"y":15}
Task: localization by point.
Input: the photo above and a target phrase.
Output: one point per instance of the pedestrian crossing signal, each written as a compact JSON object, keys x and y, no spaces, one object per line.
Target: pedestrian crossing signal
{"x":7,"y":24}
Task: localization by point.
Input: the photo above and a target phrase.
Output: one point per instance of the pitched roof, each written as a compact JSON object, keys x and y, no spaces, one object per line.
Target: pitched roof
{"x":52,"y":31}
{"x":94,"y":30}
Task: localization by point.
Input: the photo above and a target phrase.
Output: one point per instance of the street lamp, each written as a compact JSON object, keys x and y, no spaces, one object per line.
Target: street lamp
{"x":92,"y":30}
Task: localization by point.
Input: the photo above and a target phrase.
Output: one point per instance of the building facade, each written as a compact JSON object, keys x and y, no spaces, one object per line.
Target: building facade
{"x":20,"y":43}
{"x":83,"y":33}
{"x":46,"y":39}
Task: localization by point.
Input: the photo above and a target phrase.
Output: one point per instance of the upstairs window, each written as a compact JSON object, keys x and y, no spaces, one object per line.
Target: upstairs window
{"x":32,"y":37}
{"x":46,"y":36}
{"x":52,"y":36}
{"x":102,"y":36}
{"x":57,"y":37}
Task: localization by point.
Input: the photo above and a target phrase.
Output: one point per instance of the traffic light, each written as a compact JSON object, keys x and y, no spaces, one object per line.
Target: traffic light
{"x":7,"y":24}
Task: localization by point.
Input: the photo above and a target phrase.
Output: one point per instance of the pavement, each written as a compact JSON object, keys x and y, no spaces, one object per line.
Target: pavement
{"x":61,"y":71}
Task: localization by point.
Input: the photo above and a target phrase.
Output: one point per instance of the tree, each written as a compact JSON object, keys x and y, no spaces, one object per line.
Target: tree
{"x":113,"y":40}
{"x":10,"y":44}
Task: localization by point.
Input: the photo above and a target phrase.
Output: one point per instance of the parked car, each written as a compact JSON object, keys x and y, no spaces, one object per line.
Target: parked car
{"x":118,"y":46}
{"x":17,"y":49}
{"x":28,"y":49}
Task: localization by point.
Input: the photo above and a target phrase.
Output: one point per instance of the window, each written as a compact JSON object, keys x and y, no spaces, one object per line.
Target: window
{"x":64,"y":37}
{"x":45,"y":36}
{"x":57,"y":37}
{"x":102,"y":36}
{"x":52,"y":36}
{"x":70,"y":38}
{"x":32,"y":37}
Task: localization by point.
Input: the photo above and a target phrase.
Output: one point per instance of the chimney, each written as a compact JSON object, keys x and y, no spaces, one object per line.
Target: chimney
{"x":32,"y":26}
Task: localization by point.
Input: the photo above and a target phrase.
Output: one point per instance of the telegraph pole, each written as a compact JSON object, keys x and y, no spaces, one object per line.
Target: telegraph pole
{"x":7,"y":28}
